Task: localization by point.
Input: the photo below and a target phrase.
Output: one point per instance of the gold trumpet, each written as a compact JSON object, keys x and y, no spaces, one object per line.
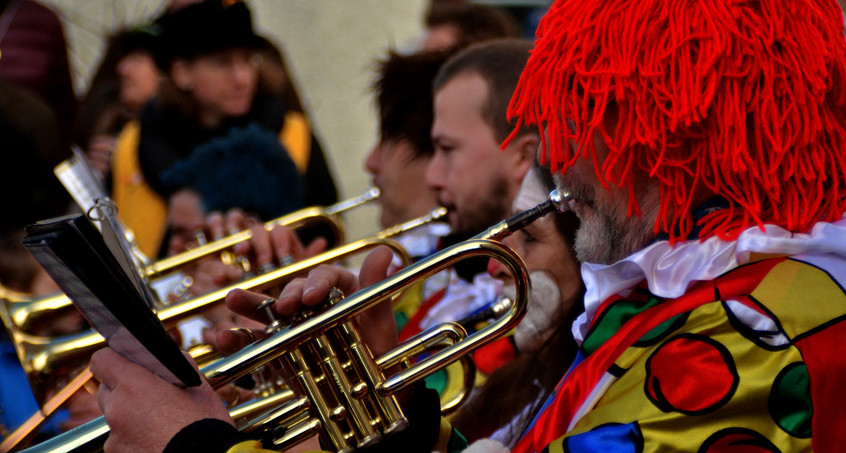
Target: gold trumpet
{"x":26,"y":312}
{"x":340,"y":391}
{"x":295,"y":220}
{"x":48,"y":360}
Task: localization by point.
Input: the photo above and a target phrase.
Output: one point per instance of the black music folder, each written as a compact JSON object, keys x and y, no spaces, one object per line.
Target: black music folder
{"x":102,"y":287}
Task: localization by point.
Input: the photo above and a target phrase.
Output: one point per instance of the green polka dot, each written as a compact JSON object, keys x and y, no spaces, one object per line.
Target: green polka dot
{"x":610,"y":321}
{"x":437,"y":381}
{"x":790,"y":400}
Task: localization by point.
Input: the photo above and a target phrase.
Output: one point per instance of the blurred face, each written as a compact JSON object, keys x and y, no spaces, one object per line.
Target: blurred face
{"x":400,"y":176}
{"x":472,"y":177}
{"x":223,"y":83}
{"x":439,"y":37}
{"x":139,"y":79}
{"x":607,"y":233}
{"x":187,"y":217}
{"x":542,"y":247}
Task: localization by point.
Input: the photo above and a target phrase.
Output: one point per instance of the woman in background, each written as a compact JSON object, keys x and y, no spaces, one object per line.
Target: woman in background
{"x":220,"y":135}
{"x":503,"y":407}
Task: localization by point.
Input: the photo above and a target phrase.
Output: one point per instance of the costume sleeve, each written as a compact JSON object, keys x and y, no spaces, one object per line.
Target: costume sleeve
{"x":210,"y":436}
{"x":427,"y":431}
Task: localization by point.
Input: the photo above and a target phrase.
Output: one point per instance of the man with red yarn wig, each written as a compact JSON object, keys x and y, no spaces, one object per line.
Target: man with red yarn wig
{"x":704,"y":145}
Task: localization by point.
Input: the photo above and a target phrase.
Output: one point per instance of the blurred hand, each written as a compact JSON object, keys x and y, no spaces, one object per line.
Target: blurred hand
{"x":100,"y":149}
{"x":223,"y":320}
{"x":82,"y":408}
{"x":278,"y":246}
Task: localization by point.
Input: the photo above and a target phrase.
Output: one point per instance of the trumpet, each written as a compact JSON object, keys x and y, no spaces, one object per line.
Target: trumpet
{"x":295,"y":220}
{"x":26,"y":312}
{"x":340,"y":392}
{"x":47,"y":360}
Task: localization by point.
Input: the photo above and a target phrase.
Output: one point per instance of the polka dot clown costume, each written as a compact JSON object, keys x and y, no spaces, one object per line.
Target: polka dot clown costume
{"x":722,"y":336}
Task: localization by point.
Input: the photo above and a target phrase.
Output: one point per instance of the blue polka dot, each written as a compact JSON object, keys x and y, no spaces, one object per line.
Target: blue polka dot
{"x":614,"y":437}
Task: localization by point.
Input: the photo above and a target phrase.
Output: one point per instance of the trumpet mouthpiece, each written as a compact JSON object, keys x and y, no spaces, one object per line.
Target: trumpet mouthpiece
{"x":560,"y":200}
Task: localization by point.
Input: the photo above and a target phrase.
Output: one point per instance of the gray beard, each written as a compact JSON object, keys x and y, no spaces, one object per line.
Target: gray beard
{"x":608,"y":236}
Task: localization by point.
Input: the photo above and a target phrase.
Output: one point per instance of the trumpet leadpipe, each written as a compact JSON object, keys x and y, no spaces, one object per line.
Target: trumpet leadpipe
{"x":284,"y":343}
{"x":557,"y":201}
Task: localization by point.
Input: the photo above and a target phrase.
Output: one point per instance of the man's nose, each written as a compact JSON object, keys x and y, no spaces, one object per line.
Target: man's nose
{"x":435,"y":172}
{"x":371,"y":162}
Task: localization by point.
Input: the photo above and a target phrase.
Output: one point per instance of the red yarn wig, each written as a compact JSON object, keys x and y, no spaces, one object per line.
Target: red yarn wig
{"x":746,"y":97}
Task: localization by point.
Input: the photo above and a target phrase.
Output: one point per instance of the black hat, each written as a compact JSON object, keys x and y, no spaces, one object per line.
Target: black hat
{"x":139,"y":38}
{"x":203,"y":28}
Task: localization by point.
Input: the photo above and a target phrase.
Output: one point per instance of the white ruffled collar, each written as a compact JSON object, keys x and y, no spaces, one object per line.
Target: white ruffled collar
{"x":671,"y":270}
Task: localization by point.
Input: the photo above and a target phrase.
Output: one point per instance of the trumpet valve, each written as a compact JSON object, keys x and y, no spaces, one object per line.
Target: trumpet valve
{"x":359,"y":390}
{"x":274,"y":325}
{"x":337,"y":414}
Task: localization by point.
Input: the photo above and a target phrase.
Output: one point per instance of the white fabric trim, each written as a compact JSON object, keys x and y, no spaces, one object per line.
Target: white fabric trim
{"x":671,"y":270}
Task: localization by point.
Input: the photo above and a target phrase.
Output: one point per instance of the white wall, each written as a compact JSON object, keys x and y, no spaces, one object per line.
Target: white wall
{"x":330,"y":46}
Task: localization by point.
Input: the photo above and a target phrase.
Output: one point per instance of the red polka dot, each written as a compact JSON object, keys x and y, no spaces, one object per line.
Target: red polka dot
{"x":690,"y":374}
{"x":737,"y":440}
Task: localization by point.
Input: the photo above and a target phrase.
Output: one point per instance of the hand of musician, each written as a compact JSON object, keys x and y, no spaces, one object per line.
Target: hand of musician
{"x":99,"y":153}
{"x":82,"y":408}
{"x":279,"y":245}
{"x":377,"y":324}
{"x":143,"y":410}
{"x":222,"y":320}
{"x":265,"y":250}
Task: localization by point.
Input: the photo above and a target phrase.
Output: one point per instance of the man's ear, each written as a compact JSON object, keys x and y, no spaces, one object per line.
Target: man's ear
{"x":524,"y":148}
{"x":181,"y":75}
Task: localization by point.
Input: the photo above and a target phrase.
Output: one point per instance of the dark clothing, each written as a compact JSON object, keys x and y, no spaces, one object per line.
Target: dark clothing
{"x":34,"y":56}
{"x":168,"y":137}
{"x":31,"y":148}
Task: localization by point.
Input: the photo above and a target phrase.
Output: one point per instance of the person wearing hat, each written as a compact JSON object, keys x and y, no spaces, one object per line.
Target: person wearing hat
{"x":219,"y":135}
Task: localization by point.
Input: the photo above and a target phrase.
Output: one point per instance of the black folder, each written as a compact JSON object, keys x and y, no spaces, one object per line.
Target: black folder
{"x":75,"y":254}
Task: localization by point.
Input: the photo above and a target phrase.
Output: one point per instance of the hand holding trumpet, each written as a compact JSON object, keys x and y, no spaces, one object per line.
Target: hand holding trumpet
{"x":132,"y":398}
{"x":266,"y":249}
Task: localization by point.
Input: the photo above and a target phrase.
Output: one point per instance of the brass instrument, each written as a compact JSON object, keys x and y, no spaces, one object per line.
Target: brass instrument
{"x":294,"y":220}
{"x":25,"y":311}
{"x":46,"y":360}
{"x":339,"y":390}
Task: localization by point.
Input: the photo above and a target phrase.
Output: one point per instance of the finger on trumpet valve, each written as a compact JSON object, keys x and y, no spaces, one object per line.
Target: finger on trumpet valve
{"x":266,"y":267}
{"x":287,"y":260}
{"x":244,"y":264}
{"x":200,"y":238}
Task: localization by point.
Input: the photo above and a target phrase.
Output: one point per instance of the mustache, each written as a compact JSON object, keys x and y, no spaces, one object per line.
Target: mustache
{"x":580,"y":192}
